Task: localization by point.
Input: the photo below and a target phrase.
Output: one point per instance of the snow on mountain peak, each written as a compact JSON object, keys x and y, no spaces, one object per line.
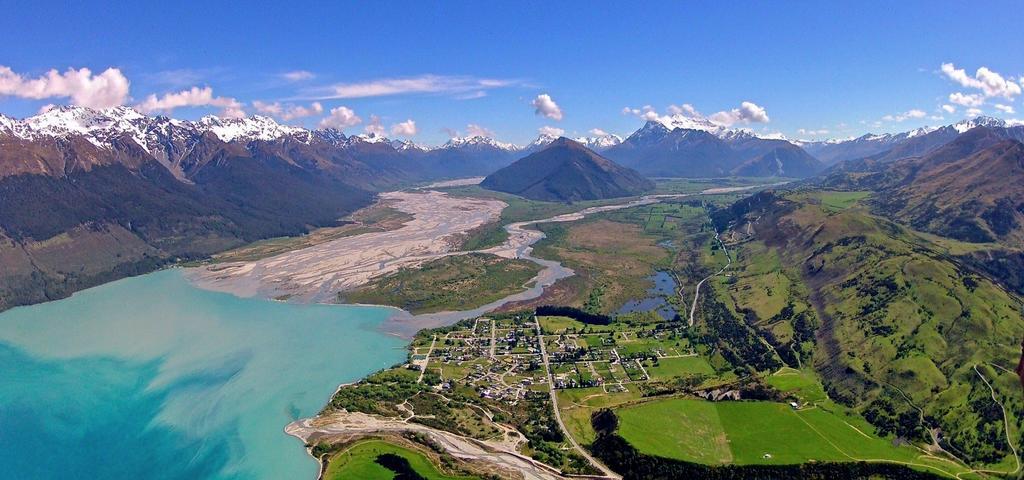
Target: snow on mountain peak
{"x":679,"y":120}
{"x":97,"y":126}
{"x":407,"y":145}
{"x":370,"y":138}
{"x":479,"y":140}
{"x":668,"y":123}
{"x":980,"y":121}
{"x":256,"y":127}
{"x":601,"y":142}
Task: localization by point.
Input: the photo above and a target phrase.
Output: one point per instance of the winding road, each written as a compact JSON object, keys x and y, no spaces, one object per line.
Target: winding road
{"x":696,"y":291}
{"x":608,"y":473}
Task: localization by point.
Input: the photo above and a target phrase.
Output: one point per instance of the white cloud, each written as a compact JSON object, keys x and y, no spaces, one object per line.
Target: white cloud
{"x":1005,"y":108}
{"x":645,"y":112}
{"x":551,"y":131}
{"x":597,"y":132}
{"x":404,"y":129}
{"x":749,"y":112}
{"x":288,"y":111}
{"x":949,"y":108}
{"x":297,"y":75}
{"x":547,"y":107}
{"x":107,"y":89}
{"x":974,"y":112}
{"x":803,"y":131}
{"x":474,"y":130}
{"x":413,"y":85}
{"x":234,"y":111}
{"x":909,"y":114}
{"x":967,"y":100}
{"x":193,"y":97}
{"x":374,"y":127}
{"x":989,"y":82}
{"x":685,"y":109}
{"x":340,"y":118}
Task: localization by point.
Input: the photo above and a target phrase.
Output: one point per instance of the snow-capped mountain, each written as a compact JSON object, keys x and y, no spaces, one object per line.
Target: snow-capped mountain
{"x":600,"y":143}
{"x":542,"y":141}
{"x":981,"y":121}
{"x":256,"y":127}
{"x":672,"y":122}
{"x":684,"y":122}
{"x":330,"y":136}
{"x":597,"y":143}
{"x":369,"y":138}
{"x":916,"y":141}
{"x":99,"y":127}
{"x":478,"y":141}
{"x":680,"y":145}
{"x":407,"y":146}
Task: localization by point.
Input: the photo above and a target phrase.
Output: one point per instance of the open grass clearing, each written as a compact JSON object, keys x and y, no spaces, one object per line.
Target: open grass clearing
{"x":359,"y":461}
{"x":752,"y":432}
{"x":667,"y":368}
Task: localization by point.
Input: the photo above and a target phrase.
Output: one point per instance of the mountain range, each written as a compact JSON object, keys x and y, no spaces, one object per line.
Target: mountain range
{"x":91,"y":195}
{"x":970,"y":188}
{"x":687,"y":147}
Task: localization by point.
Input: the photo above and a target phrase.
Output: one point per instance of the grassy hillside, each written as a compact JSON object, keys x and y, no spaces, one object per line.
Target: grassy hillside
{"x":902,"y":332}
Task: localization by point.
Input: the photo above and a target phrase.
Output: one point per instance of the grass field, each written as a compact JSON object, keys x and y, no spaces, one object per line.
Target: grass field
{"x":679,"y":367}
{"x":838,"y":201}
{"x":682,"y":429}
{"x":458,"y":282}
{"x":750,"y":432}
{"x":554,"y":325}
{"x":801,"y":384}
{"x":358,"y":462}
{"x":615,"y":259}
{"x":578,"y":404}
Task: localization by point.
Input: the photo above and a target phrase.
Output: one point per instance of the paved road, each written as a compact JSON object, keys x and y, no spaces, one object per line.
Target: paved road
{"x":558,"y":415}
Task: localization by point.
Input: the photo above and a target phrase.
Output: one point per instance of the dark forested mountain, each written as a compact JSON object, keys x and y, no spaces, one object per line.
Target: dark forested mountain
{"x":566,"y":171}
{"x":781,"y":160}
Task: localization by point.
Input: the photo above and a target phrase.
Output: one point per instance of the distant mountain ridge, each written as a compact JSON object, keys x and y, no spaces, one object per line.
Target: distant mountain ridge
{"x":91,"y":195}
{"x":567,"y":171}
{"x":708,"y":150}
{"x":971,"y":188}
{"x":921,"y":139}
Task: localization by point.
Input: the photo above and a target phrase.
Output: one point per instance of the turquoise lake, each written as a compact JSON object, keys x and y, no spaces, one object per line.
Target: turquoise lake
{"x":150,"y":377}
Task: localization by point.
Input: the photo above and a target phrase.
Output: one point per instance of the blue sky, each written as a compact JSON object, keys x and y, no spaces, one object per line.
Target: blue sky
{"x":845,"y":68}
